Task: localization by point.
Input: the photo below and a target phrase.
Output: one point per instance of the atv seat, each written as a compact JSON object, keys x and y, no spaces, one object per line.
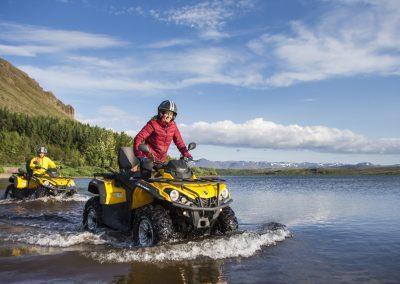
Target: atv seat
{"x":29,"y":171}
{"x":126,"y":161}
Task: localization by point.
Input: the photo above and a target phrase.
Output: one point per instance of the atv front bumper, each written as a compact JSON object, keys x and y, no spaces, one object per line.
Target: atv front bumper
{"x":202,"y":217}
{"x":196,"y":208}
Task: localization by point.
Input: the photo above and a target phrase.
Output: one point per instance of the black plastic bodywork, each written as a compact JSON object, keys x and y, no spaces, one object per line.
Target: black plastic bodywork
{"x":178,"y":169}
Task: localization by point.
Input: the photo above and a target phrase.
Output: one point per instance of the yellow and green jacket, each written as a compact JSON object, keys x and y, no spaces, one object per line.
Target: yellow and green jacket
{"x":45,"y":163}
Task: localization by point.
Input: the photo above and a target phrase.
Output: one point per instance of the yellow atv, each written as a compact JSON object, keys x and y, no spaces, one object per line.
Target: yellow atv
{"x":159,"y":202}
{"x":25,"y":184}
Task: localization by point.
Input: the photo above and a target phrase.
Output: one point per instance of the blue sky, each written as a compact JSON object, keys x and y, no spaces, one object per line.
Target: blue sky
{"x":254,"y":80}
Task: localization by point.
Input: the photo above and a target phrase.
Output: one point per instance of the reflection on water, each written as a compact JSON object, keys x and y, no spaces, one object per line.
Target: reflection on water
{"x":16,"y":251}
{"x":190,"y":272}
{"x":346,"y":229}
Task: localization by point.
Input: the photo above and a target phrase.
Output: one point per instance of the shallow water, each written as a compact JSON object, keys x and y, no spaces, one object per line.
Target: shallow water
{"x":345,"y":229}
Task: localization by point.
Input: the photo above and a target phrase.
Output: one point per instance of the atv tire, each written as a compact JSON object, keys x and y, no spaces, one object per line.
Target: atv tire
{"x":9,"y":192}
{"x":69,"y":193}
{"x":92,"y":214}
{"x":40,"y":192}
{"x":152,"y":224}
{"x":226,"y":222}
{"x":16,"y":193}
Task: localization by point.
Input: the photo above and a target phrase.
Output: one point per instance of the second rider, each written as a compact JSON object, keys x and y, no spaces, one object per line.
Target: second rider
{"x":158,"y":134}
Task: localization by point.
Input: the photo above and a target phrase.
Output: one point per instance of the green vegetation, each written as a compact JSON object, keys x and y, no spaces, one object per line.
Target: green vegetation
{"x":201,"y":172}
{"x":312,"y":171}
{"x":1,"y":170}
{"x":81,"y":171}
{"x":71,"y":142}
{"x":20,"y":93}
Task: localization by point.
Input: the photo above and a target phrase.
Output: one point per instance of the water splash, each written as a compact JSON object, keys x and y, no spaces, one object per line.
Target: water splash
{"x":59,"y":198}
{"x":58,"y":239}
{"x":243,"y":244}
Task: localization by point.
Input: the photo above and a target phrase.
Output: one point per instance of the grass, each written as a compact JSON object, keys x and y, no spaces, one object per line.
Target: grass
{"x":20,"y":93}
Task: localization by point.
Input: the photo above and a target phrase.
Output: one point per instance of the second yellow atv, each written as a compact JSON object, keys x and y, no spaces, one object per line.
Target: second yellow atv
{"x":154,"y":206}
{"x":25,"y":184}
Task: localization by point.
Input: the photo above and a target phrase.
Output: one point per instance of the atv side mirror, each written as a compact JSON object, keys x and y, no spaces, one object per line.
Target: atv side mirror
{"x":144,"y":148}
{"x":191,"y":146}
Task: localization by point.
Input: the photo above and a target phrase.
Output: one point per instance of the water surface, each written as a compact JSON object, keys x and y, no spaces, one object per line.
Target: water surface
{"x":345,"y":229}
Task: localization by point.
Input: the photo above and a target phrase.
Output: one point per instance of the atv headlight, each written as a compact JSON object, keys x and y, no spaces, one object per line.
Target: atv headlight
{"x":46,"y":183}
{"x":224,"y":194}
{"x":174,"y":194}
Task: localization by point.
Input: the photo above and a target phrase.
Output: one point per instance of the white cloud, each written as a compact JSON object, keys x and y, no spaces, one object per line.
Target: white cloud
{"x":109,"y":116}
{"x":106,"y":114}
{"x":209,"y":17}
{"x":26,"y":40}
{"x":351,"y":40}
{"x":345,"y":42}
{"x":61,"y":79}
{"x":170,"y":43}
{"x":148,"y":73}
{"x":259,"y":133}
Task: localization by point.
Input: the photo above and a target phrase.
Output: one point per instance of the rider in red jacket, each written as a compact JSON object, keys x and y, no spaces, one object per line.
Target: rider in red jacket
{"x":158,"y":134}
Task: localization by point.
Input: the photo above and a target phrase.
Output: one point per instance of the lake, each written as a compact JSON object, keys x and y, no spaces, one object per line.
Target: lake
{"x":340,"y":229}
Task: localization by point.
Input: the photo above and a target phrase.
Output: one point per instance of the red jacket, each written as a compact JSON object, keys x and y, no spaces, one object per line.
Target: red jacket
{"x":158,"y":137}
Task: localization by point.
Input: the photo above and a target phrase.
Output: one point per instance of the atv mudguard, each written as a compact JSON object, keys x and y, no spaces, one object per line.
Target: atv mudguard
{"x":111,"y":192}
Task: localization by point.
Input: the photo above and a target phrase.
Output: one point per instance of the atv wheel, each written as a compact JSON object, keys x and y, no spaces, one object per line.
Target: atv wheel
{"x":40,"y":192}
{"x":92,"y":214}
{"x":70,"y":193}
{"x":226,"y":222}
{"x":151,"y":225}
{"x":9,"y":192}
{"x":16,"y":193}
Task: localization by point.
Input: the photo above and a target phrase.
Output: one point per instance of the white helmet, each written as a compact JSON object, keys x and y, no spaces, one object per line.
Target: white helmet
{"x":41,"y":150}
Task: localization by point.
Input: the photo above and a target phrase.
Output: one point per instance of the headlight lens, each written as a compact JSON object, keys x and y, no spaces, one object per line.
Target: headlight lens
{"x":46,"y":183}
{"x":225,"y":193}
{"x":174,"y":194}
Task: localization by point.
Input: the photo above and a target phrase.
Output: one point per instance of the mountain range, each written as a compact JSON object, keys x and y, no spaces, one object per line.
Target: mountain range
{"x":276,"y":165}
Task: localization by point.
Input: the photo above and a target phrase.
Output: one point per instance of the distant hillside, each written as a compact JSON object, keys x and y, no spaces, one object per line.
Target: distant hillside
{"x":251,"y":165}
{"x":20,"y":93}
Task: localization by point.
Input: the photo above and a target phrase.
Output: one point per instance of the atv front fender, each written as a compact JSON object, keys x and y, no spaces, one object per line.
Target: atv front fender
{"x":93,"y":187}
{"x":150,"y":189}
